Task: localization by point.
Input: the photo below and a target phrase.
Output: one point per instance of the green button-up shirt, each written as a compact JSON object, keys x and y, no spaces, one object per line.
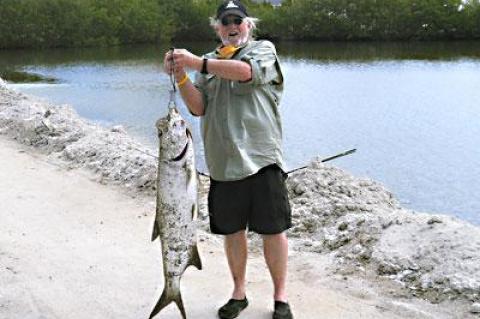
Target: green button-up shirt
{"x":241,"y":128}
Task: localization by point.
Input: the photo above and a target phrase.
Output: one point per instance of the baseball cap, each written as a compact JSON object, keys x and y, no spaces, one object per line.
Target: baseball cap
{"x":234,"y":7}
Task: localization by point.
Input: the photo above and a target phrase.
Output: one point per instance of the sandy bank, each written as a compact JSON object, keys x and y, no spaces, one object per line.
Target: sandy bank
{"x":353,"y":246}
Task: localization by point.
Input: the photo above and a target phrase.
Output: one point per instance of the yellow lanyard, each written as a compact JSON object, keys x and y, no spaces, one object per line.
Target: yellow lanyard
{"x":226,"y":52}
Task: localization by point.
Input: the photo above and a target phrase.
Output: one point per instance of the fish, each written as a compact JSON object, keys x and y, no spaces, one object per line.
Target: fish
{"x":177,"y":206}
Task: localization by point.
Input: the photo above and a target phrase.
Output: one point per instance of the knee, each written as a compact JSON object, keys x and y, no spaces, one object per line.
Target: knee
{"x":238,"y":235}
{"x":275,"y":237}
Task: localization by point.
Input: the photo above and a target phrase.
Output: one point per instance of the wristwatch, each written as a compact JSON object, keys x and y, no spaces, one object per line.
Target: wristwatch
{"x":204,"y":66}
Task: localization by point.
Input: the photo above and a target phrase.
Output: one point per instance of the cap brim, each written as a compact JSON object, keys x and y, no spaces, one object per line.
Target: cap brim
{"x":235,"y":12}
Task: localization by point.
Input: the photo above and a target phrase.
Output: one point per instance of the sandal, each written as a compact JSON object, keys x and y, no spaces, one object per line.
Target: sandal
{"x":282,"y":311}
{"x":232,"y":308}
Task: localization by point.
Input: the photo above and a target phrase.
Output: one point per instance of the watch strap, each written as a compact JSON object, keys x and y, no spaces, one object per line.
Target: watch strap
{"x":204,"y":66}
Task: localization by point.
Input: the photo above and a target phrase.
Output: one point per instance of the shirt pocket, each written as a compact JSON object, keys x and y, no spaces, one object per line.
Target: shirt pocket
{"x":241,"y":88}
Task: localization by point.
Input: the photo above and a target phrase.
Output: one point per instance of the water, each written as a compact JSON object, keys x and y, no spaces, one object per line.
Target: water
{"x":411,"y":110}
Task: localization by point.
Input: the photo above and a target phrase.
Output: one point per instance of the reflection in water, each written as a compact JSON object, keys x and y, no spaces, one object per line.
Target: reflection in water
{"x":411,"y":109}
{"x":333,"y":51}
{"x":368,"y":51}
{"x":98,"y":56}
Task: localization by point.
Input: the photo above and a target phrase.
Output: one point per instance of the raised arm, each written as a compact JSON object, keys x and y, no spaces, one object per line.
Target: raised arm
{"x":190,"y":94}
{"x":226,"y":69}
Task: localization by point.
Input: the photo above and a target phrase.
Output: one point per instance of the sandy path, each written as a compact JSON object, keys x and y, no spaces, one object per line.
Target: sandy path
{"x":72,"y":248}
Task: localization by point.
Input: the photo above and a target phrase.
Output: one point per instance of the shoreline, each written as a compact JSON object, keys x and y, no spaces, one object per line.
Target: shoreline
{"x":355,"y":224}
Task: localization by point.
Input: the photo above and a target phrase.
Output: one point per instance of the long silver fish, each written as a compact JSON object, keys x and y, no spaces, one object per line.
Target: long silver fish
{"x":177,"y":206}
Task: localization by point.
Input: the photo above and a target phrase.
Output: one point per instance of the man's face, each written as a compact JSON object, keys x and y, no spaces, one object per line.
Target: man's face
{"x":233,"y":30}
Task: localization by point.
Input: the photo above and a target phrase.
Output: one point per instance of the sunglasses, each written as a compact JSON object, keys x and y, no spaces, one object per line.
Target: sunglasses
{"x":228,"y":20}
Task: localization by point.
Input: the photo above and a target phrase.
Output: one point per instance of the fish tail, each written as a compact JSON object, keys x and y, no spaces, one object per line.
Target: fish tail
{"x":194,"y":259}
{"x":171,"y":293}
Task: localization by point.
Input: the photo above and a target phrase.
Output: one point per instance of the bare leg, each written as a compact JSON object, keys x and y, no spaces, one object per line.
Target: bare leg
{"x":275,"y":250}
{"x":236,"y":251}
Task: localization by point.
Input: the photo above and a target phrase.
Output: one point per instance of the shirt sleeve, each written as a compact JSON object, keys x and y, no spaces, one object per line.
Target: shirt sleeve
{"x":264,"y":62}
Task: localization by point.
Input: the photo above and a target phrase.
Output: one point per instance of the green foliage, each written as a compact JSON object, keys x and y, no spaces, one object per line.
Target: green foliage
{"x":67,"y":23}
{"x":191,"y":18}
{"x":375,"y":19}
{"x":473,"y":13}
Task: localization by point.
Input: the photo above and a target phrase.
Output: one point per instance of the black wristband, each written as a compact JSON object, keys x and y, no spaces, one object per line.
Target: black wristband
{"x":204,"y":66}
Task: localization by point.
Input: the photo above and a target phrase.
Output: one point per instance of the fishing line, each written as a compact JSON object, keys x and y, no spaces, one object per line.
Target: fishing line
{"x":172,"y":77}
{"x":171,"y":103}
{"x":304,"y":167}
{"x":141,"y":151}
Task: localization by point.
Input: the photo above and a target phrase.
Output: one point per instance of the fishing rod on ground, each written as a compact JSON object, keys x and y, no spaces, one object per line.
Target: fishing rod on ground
{"x":288,"y":173}
{"x":353,"y":150}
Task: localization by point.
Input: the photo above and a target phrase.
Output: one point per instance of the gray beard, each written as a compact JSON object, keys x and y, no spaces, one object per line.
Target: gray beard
{"x":239,"y":42}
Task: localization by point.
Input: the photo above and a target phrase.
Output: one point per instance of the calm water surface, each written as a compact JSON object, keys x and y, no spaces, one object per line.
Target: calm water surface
{"x":411,"y":110}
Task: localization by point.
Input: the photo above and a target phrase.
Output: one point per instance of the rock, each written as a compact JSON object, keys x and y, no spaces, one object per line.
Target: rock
{"x":300,"y":189}
{"x":475,"y":308}
{"x":387,"y":268}
{"x":357,"y":249}
{"x":118,"y":129}
{"x":342,"y":226}
{"x":434,"y":220}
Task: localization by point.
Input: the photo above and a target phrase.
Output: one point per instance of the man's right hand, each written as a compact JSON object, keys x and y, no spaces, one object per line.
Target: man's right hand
{"x":183,"y":59}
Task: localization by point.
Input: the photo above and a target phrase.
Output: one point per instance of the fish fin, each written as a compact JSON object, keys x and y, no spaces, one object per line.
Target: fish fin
{"x":195,"y":258}
{"x":180,"y":306}
{"x":155,"y":231}
{"x":171,"y":293}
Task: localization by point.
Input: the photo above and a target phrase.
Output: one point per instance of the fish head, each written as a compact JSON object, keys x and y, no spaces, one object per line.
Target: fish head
{"x":173,"y":136}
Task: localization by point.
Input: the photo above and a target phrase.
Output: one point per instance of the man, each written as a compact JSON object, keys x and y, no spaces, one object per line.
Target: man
{"x":237,"y":94}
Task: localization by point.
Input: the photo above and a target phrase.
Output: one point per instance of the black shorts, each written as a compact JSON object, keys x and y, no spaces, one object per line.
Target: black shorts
{"x":258,"y":202}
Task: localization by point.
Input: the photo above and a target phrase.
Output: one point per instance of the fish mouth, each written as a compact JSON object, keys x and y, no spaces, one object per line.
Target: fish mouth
{"x":184,"y":152}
